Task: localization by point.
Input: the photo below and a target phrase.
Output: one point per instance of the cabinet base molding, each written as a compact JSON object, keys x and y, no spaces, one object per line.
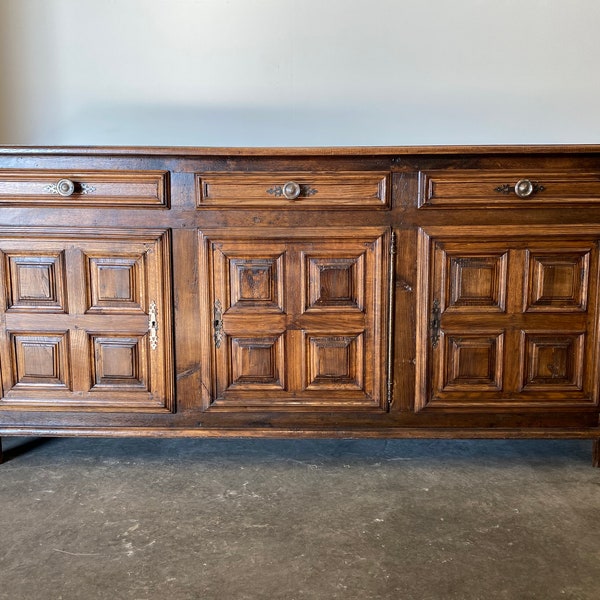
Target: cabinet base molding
{"x":395,"y":433}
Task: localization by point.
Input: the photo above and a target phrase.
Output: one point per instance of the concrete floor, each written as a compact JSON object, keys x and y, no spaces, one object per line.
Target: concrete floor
{"x":279,"y":519}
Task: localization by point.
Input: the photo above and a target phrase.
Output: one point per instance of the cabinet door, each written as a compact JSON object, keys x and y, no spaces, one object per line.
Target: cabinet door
{"x":85,"y":319}
{"x":508,"y":318}
{"x":294,"y":319}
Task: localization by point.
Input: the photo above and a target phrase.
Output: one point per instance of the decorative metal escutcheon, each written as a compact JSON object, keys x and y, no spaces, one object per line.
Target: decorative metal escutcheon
{"x":153,"y":326}
{"x":292,"y":190}
{"x":436,"y":323}
{"x":524,"y":188}
{"x":66,"y":187}
{"x":218,"y":323}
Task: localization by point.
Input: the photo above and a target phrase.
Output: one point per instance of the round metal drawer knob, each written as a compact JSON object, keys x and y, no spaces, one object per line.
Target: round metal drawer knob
{"x":524,"y":188}
{"x":291,"y":190}
{"x":65,"y":187}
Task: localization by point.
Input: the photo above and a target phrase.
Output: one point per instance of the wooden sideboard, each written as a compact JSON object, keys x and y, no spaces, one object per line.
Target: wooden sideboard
{"x":322,"y":292}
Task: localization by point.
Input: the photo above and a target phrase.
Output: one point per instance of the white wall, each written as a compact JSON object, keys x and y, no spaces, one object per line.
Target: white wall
{"x":299,"y":72}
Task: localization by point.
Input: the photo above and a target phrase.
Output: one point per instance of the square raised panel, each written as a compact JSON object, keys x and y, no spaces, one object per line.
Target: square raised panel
{"x":558,"y":281}
{"x":473,"y":361}
{"x":476,"y":282}
{"x":553,"y":361}
{"x":40,"y":361}
{"x":119,"y":362}
{"x":335,"y":283}
{"x":334,"y":362}
{"x":256,"y":283}
{"x":257,"y":362}
{"x":36,"y":282}
{"x":116,"y":283}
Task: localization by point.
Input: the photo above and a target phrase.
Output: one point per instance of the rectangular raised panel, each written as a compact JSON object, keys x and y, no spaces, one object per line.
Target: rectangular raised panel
{"x":558,"y":281}
{"x":40,"y":361}
{"x":472,"y":361}
{"x":487,"y":188}
{"x":257,"y":362}
{"x":119,"y":363}
{"x":477,"y":280}
{"x":256,"y":283}
{"x":36,"y":282}
{"x":553,"y":361}
{"x":506,"y":318}
{"x":93,"y":353}
{"x":116,"y":282}
{"x":334,"y":362}
{"x":334,"y":283}
{"x":317,"y":190}
{"x":302,"y":325}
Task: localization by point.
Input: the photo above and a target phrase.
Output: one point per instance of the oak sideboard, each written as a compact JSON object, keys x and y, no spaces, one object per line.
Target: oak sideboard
{"x":310,"y":292}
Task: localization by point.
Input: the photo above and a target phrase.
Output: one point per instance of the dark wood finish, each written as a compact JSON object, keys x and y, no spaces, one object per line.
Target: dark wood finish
{"x":76,"y":313}
{"x":91,"y":188}
{"x":301,"y":313}
{"x":318,"y":190}
{"x":517,"y":323}
{"x":276,"y":317}
{"x":471,"y":188}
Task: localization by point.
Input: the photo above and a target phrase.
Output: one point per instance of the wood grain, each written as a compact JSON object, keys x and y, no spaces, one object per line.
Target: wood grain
{"x":304,"y":289}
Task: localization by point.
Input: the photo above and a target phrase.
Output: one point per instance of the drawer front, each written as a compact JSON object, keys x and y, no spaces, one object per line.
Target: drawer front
{"x":293,"y":190}
{"x":128,"y":189}
{"x":509,"y":189}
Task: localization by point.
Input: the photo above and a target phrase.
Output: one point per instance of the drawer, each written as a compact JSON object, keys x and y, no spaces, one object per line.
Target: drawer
{"x":293,"y":190}
{"x":127,"y":189}
{"x":507,"y":189}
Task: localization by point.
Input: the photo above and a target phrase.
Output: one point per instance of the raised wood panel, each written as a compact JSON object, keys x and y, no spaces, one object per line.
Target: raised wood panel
{"x":40,"y":361}
{"x":318,"y":190}
{"x":475,"y":280}
{"x":521,"y":332}
{"x":334,"y":362}
{"x":558,"y":281}
{"x":494,"y":188}
{"x":472,"y":362}
{"x":117,"y":282}
{"x":256,"y":283}
{"x":334,"y":283}
{"x":301,"y":325}
{"x":257,"y":362}
{"x":553,"y":361}
{"x":97,"y":189}
{"x":119,"y":363}
{"x":95,"y":354}
{"x":35,"y":282}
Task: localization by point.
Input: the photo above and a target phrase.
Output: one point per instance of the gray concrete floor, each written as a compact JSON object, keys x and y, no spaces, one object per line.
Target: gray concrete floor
{"x":294,"y":520}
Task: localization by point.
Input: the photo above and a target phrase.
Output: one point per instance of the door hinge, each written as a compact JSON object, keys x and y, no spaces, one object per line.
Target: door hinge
{"x":218,"y":323}
{"x":390,"y":348}
{"x":153,"y":326}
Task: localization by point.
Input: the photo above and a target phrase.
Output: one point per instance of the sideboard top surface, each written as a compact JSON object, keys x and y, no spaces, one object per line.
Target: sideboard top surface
{"x":306,"y":151}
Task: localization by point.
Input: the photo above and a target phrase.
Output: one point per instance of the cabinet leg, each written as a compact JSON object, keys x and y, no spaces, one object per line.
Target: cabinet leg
{"x":596,"y":453}
{"x":0,"y":450}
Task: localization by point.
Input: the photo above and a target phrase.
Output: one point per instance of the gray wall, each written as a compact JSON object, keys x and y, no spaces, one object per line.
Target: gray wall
{"x":299,"y":72}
